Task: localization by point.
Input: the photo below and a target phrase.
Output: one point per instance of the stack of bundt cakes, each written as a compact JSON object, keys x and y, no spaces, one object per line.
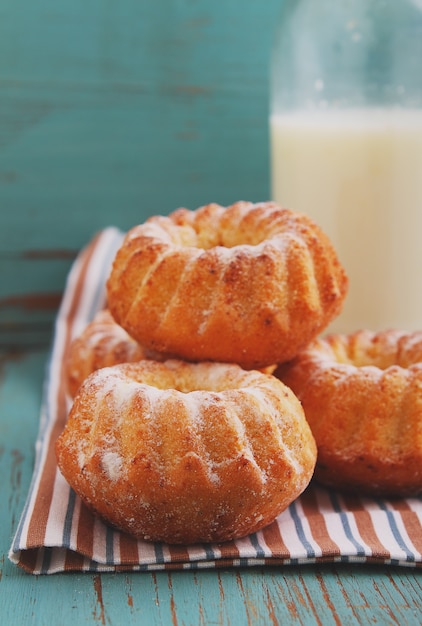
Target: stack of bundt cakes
{"x":174,"y":434}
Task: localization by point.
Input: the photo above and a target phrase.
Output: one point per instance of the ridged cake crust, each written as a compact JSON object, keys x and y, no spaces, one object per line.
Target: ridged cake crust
{"x":250,"y":284}
{"x":362,"y":396}
{"x":186,"y":453}
{"x":102,"y":343}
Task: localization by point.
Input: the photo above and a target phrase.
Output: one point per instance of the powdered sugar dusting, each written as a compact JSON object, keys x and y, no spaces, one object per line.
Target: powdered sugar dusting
{"x":112,"y":464}
{"x":119,"y":388}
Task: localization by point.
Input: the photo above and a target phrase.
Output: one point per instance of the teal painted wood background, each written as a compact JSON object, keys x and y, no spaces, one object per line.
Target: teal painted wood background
{"x":113,"y":111}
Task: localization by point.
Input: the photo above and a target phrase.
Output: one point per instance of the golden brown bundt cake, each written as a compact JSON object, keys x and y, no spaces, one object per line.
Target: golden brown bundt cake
{"x":250,"y":284}
{"x":362,"y":396}
{"x":184,"y":453}
{"x":101,"y":344}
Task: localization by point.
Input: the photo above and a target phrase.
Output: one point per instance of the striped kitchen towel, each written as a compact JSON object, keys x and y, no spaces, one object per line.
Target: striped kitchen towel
{"x":57,"y":533}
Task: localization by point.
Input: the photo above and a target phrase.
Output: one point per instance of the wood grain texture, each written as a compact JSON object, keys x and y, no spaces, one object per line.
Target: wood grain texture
{"x":110,"y":112}
{"x":30,"y":293}
{"x":323,"y":595}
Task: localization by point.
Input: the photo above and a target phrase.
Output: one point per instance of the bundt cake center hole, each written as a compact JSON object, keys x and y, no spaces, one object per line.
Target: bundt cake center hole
{"x":368,"y":362}
{"x":227,"y":240}
{"x":167,"y":381}
{"x":368,"y":359}
{"x":194,"y":387}
{"x":228,"y":237}
{"x":382,"y":350}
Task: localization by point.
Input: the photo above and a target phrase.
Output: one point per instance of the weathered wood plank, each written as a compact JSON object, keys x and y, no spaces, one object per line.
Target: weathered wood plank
{"x":31,"y":287}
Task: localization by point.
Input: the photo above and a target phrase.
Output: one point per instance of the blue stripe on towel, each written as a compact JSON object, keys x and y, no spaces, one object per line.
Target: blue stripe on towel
{"x":159,"y":553}
{"x":360,"y":550}
{"x":310,"y":552}
{"x":67,"y":526}
{"x":109,"y":545}
{"x":46,"y":560}
{"x":260,"y":553}
{"x":210,"y":555}
{"x":395,"y":531}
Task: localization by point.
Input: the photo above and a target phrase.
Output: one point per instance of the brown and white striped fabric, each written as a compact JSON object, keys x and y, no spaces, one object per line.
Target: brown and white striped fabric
{"x":57,"y":533}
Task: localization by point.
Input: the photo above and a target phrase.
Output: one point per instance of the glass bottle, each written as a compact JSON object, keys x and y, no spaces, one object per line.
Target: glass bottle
{"x":346,"y":145}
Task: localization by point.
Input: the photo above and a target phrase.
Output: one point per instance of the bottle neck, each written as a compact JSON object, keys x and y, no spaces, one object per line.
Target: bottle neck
{"x":348,"y":54}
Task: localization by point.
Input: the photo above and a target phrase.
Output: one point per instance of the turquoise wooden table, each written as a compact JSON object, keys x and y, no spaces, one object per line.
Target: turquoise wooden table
{"x":110,"y":112}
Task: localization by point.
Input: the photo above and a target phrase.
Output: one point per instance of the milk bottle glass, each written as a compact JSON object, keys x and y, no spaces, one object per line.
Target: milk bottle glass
{"x":346,"y":145}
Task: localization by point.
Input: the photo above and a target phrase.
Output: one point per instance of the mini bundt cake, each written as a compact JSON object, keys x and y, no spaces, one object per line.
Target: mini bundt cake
{"x":250,"y":284}
{"x":101,"y":344}
{"x":186,"y":452}
{"x":362,"y":396}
